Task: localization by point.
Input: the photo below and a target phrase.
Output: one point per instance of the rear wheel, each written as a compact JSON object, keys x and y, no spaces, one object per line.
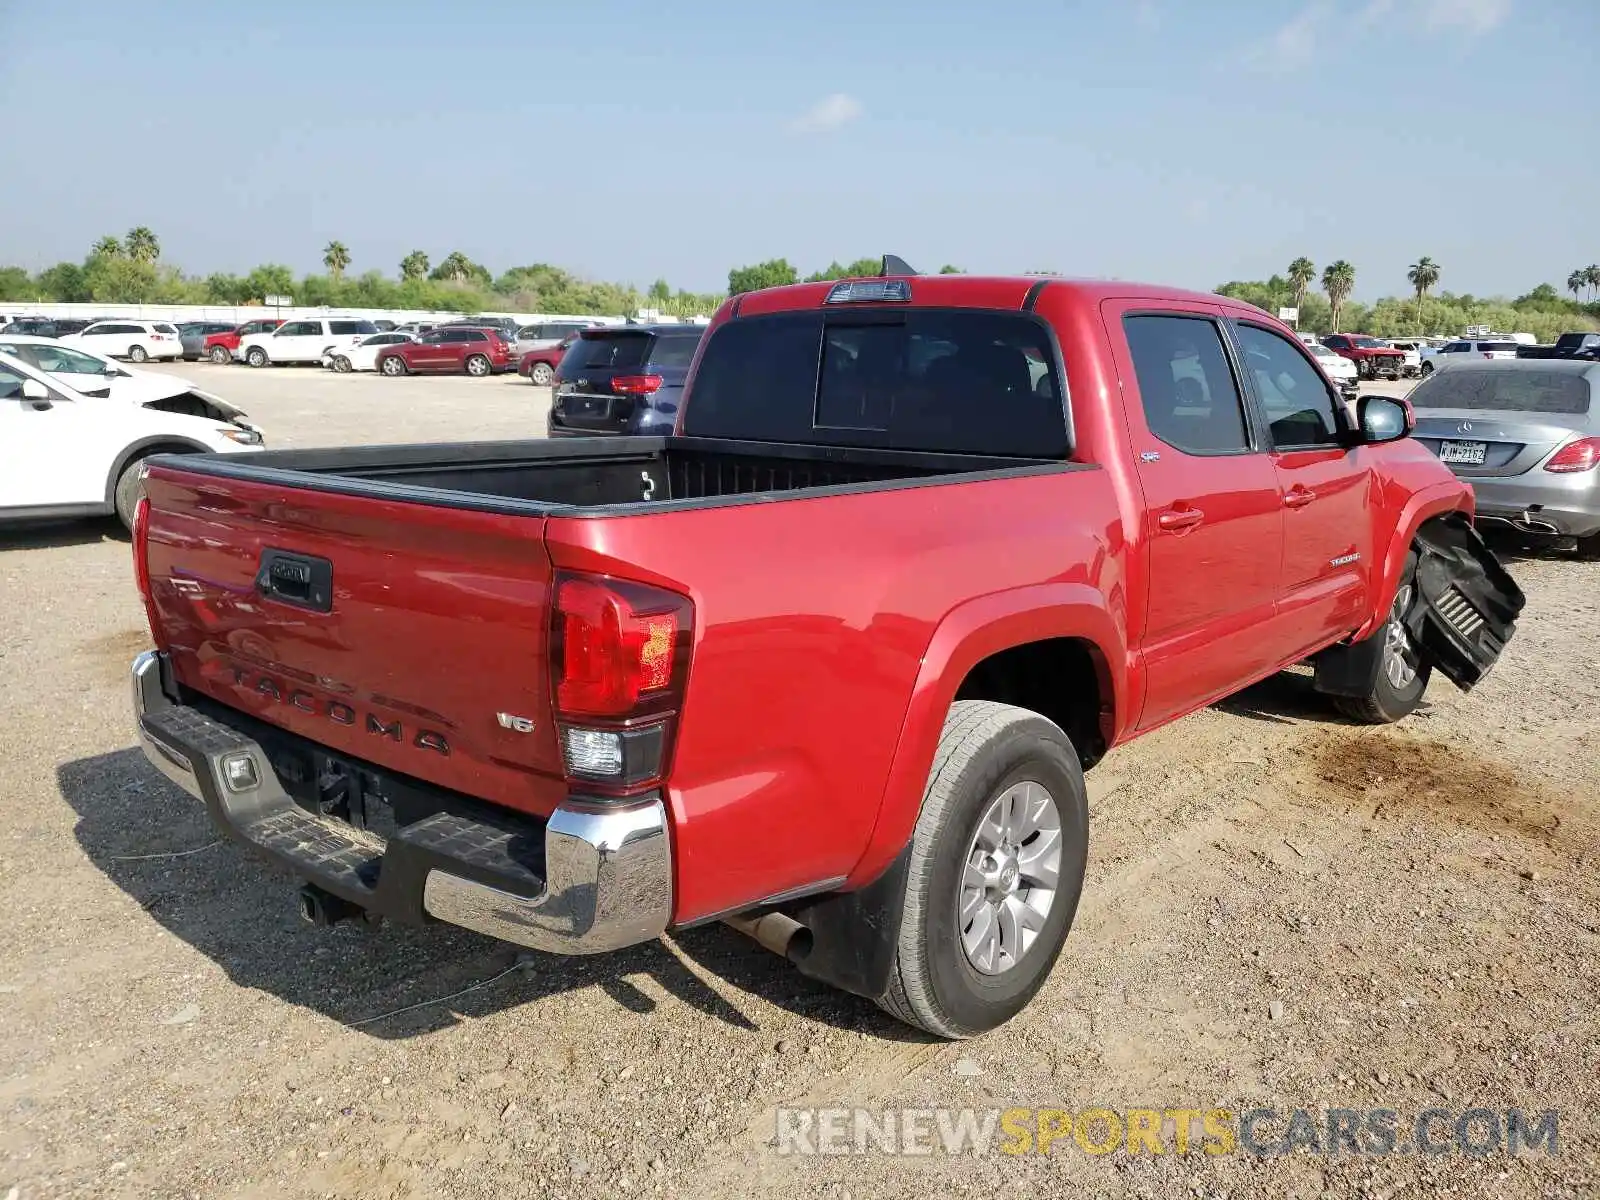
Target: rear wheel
{"x":137,"y":354}
{"x":477,"y":365}
{"x":220,"y":356}
{"x":393,"y":366}
{"x":997,"y":864}
{"x":1402,"y":675}
{"x":541,"y":375}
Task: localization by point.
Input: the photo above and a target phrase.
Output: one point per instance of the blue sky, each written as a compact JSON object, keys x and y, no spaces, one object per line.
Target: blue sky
{"x":1168,"y":140}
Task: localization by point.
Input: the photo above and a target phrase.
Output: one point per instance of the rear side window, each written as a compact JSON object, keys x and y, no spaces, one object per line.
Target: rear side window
{"x":607,"y":352}
{"x":1486,"y":346}
{"x":1186,"y":386}
{"x":949,"y":381}
{"x":352,"y":327}
{"x":1564,"y":392}
{"x":167,"y":329}
{"x":673,"y":352}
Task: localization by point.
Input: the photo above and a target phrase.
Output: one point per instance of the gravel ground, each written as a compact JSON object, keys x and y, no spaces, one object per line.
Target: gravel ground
{"x":1282,"y":911}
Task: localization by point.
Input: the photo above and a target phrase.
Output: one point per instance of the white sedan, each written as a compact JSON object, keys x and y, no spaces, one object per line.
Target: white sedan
{"x":1335,"y":366}
{"x":96,"y":375}
{"x":65,"y":455}
{"x":363,"y":356}
{"x":136,"y":341}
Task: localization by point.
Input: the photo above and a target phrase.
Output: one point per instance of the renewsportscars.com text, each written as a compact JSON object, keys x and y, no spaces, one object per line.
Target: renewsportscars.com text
{"x":1263,"y":1132}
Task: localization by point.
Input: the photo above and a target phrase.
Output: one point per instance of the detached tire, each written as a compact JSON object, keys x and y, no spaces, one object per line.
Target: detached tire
{"x":996,"y":870}
{"x":1402,"y":676}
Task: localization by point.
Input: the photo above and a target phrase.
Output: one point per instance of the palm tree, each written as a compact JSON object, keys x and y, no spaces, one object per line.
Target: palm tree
{"x":1591,"y":275}
{"x":414,"y":265}
{"x":107,"y":247}
{"x":1302,"y":271}
{"x":336,"y":257}
{"x":456,"y":267}
{"x":142,"y":245}
{"x":1339,"y":280}
{"x":1576,"y":282}
{"x":1424,"y":273}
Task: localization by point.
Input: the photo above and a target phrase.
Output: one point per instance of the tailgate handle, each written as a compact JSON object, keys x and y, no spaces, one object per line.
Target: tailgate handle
{"x":302,"y":580}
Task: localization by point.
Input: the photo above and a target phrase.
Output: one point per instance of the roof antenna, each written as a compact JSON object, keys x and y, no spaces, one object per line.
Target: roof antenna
{"x":895,"y":265}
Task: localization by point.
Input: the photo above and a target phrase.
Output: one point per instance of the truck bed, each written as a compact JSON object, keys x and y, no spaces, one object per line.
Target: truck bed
{"x":544,"y":478}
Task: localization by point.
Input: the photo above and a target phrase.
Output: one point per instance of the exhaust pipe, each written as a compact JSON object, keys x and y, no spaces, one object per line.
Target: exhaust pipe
{"x":320,"y":907}
{"x":784,"y":936}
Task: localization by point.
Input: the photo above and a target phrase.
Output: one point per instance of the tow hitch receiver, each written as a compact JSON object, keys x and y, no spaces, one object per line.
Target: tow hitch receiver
{"x":1467,"y":604}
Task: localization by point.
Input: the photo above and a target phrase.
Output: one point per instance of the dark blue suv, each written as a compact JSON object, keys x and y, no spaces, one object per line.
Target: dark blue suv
{"x":623,"y":379}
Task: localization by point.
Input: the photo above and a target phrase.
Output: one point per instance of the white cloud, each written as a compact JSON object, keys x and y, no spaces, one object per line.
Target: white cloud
{"x":1469,"y":16}
{"x":1294,"y":44}
{"x":829,"y":113}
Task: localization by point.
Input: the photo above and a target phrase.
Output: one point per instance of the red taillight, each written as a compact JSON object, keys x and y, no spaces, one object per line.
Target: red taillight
{"x":141,"y":564}
{"x":635,"y":385}
{"x":619,"y":661}
{"x":1581,"y":455}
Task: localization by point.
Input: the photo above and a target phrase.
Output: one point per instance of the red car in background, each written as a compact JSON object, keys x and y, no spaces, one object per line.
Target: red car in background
{"x":540,"y":365}
{"x":222,"y":348}
{"x":452,"y":350}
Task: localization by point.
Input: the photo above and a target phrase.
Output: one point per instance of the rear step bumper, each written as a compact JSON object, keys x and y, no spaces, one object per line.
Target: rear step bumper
{"x":607,"y":872}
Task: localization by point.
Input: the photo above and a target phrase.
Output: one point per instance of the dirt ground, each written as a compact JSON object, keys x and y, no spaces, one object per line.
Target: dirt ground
{"x":1282,"y":911}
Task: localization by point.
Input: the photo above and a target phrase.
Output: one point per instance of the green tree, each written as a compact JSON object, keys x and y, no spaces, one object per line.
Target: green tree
{"x":1302,"y":274}
{"x":1576,"y":282}
{"x":63,"y":282}
{"x":142,"y":245}
{"x":16,"y":284}
{"x":1338,"y":280}
{"x":107,"y":247}
{"x":660,"y":292}
{"x":121,"y":280}
{"x":336,"y":257}
{"x":1591,"y":276}
{"x":269,"y":279}
{"x":414,"y":265}
{"x":1423,"y":274}
{"x":947,"y":269}
{"x":223,"y":288}
{"x":457,"y":268}
{"x":774,"y":272}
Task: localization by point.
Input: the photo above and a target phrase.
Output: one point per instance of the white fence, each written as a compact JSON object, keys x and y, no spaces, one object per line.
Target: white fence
{"x":237,"y":313}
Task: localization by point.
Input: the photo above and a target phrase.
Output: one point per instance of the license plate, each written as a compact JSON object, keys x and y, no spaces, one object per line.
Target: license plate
{"x":1470,"y":454}
{"x":588,"y":406}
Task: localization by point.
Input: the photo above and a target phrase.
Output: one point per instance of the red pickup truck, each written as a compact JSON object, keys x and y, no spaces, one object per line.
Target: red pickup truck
{"x":1373,"y":359}
{"x":220,"y":348}
{"x":829,"y":662}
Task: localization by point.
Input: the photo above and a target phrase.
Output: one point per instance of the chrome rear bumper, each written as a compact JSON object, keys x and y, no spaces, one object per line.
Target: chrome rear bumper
{"x":603,"y":881}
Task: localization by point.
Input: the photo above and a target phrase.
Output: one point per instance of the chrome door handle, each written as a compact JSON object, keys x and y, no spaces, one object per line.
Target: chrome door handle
{"x":1298,"y":496}
{"x":1175,"y":520}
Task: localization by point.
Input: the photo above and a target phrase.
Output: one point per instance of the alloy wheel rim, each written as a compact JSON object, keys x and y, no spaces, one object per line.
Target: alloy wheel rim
{"x":1400,"y":658}
{"x":1009,"y":878}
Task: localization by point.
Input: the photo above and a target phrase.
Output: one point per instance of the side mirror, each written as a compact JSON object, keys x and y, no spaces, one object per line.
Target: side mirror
{"x":1383,"y":420}
{"x":35,"y":393}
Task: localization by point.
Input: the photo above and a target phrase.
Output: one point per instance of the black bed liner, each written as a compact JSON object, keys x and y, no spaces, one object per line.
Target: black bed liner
{"x":609,"y":476}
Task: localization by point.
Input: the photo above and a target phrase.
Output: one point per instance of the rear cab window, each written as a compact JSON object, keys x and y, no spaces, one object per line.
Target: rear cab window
{"x":938,"y":380}
{"x":1567,"y":393}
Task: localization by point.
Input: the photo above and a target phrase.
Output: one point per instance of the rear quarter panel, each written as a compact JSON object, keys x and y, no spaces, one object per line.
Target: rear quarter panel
{"x":813,"y":620}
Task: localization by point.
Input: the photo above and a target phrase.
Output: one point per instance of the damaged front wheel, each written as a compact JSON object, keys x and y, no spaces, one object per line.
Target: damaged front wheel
{"x":1402,"y":676}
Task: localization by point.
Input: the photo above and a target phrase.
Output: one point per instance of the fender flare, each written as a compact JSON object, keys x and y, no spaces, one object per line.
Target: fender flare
{"x":142,"y":449}
{"x":967,"y":635}
{"x":1440,"y":498}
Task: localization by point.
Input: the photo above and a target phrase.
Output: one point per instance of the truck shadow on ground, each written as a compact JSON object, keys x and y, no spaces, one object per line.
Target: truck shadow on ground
{"x":161,"y":849}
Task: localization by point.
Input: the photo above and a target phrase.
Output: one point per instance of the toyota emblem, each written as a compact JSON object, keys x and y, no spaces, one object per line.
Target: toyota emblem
{"x":1464,"y":427}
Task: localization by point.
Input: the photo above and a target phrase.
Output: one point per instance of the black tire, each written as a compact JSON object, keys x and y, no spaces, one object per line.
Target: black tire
{"x":477,"y":366}
{"x":256,"y":357}
{"x":341,"y":364}
{"x":221,"y":356}
{"x":1390,"y":699}
{"x":137,"y":354}
{"x":394,"y":366}
{"x":541,"y":374}
{"x":1426,"y":370}
{"x":985,"y":749}
{"x":127,"y":493}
